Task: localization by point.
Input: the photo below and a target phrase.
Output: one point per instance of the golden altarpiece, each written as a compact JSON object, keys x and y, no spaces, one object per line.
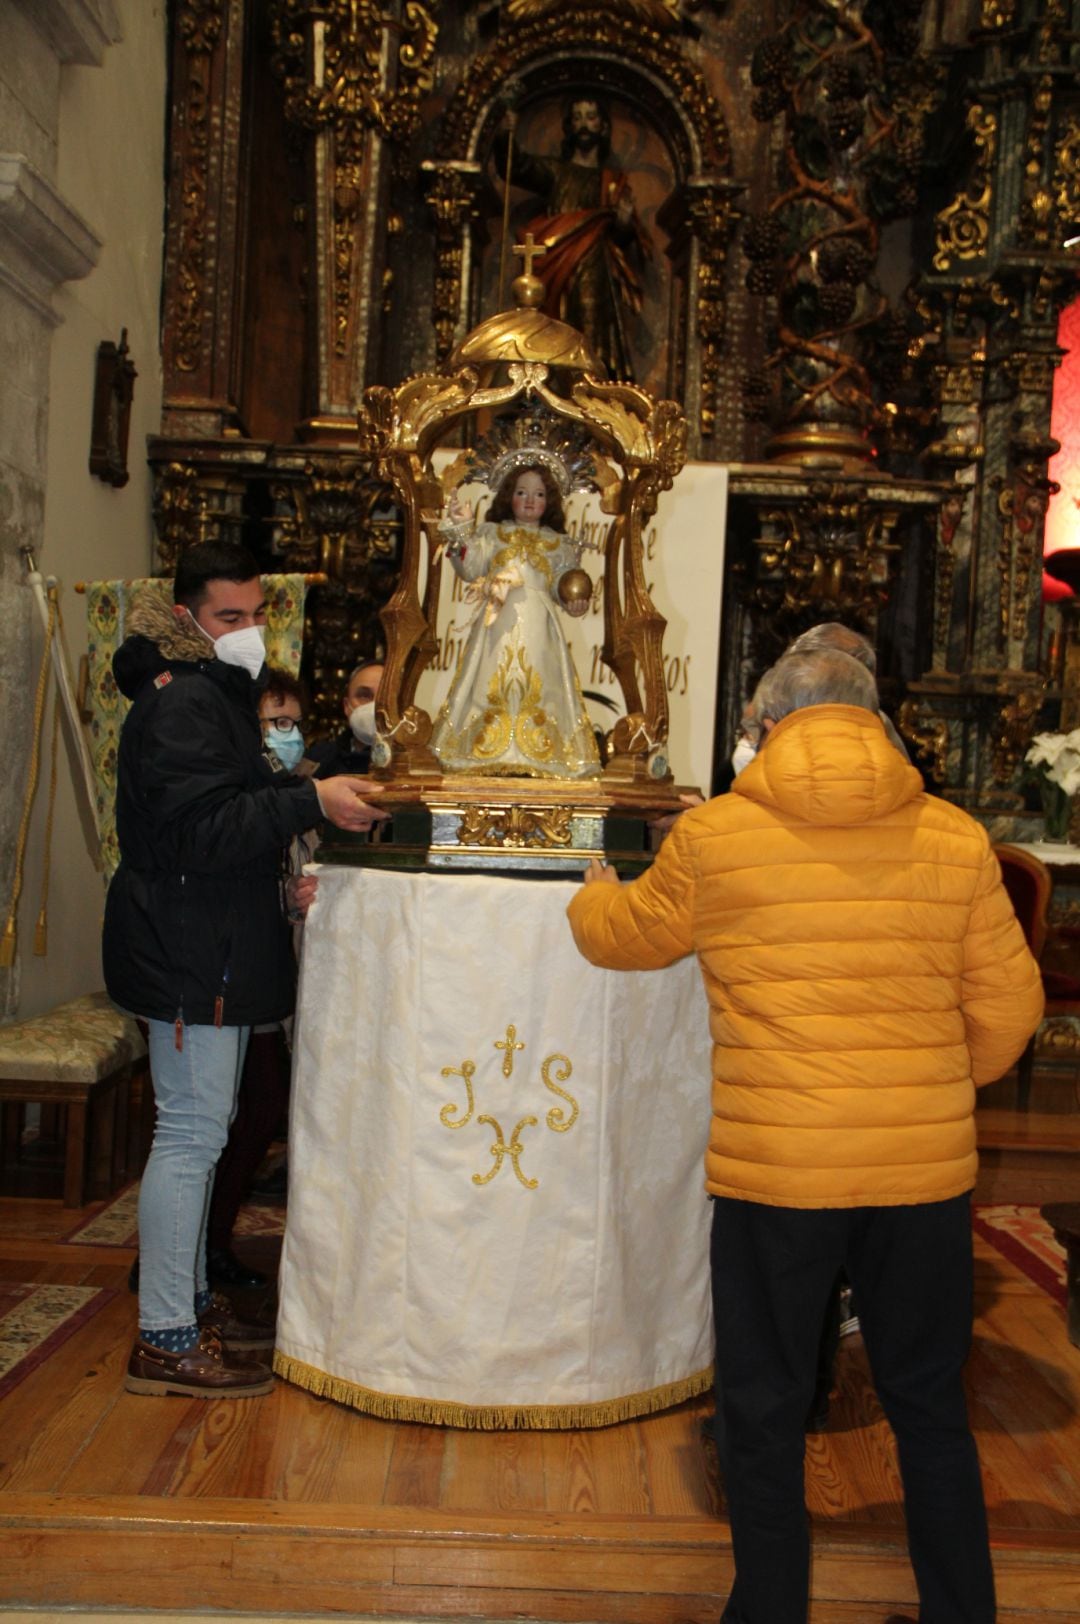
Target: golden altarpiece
{"x":856,"y":225}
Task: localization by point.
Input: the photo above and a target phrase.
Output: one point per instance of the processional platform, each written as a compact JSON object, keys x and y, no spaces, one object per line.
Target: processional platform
{"x":508,"y":1153}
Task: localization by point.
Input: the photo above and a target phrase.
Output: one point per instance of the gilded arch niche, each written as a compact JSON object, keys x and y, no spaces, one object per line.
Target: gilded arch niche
{"x":635,"y":57}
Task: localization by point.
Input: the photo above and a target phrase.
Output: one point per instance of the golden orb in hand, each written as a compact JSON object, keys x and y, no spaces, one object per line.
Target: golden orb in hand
{"x":575,"y":591}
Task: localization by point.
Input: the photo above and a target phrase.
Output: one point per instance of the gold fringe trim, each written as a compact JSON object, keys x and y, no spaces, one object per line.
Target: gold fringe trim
{"x":490,"y":1417}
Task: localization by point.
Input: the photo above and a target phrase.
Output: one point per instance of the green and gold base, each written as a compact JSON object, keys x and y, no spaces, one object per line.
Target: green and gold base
{"x":497,"y":825}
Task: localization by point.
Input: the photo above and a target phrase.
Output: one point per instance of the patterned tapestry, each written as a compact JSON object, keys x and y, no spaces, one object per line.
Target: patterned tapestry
{"x":107,"y":605}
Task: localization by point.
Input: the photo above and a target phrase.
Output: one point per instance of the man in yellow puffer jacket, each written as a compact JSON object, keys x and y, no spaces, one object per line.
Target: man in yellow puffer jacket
{"x":865,"y":974}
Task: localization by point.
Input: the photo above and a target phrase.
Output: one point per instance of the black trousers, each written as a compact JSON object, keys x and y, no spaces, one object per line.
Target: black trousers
{"x":910,"y":1268}
{"x":261,"y":1106}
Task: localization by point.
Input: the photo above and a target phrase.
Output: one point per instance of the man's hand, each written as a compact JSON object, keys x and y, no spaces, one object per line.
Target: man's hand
{"x":598,"y":873}
{"x":340,"y":800}
{"x":300,"y":892}
{"x":662,"y":825}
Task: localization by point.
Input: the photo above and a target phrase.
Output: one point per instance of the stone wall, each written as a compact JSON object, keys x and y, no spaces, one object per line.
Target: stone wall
{"x":82,"y":96}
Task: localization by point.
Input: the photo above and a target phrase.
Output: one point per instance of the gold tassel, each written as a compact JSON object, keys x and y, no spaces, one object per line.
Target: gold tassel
{"x":7,"y":945}
{"x":41,"y":935}
{"x":490,"y":1417}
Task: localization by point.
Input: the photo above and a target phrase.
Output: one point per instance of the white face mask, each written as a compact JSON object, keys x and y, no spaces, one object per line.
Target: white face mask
{"x":362,"y":722}
{"x":245,"y":648}
{"x":743,"y":754}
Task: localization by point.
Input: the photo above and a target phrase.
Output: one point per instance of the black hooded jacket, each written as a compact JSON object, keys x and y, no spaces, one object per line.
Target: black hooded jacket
{"x":195,"y":927}
{"x":341,"y":754}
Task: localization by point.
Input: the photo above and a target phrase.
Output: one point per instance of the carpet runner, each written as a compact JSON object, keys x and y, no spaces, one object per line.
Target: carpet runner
{"x":1022,"y":1236}
{"x":35,"y":1320}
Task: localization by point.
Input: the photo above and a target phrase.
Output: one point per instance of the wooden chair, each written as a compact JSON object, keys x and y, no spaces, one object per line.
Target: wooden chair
{"x":76,"y":1064}
{"x":1028,"y":882}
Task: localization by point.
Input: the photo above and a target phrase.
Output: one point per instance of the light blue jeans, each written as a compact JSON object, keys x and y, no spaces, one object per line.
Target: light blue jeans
{"x":195,"y":1092}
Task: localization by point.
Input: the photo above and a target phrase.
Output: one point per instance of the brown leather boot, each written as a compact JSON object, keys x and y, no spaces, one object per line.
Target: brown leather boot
{"x":200,"y":1372}
{"x":243,"y":1335}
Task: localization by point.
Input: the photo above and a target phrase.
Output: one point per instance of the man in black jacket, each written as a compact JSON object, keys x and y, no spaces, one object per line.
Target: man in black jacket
{"x":196,"y":939}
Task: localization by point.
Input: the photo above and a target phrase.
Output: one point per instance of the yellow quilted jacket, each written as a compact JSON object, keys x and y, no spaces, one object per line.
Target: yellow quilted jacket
{"x":864,"y":968}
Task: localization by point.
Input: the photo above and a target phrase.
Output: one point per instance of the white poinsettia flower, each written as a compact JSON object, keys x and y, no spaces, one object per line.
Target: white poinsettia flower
{"x":1066,"y":761}
{"x":1067,"y":777}
{"x":1045,"y":749}
{"x":1073,"y":740}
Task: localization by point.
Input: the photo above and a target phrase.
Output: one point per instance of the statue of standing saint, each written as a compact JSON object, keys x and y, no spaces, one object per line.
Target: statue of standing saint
{"x":593,"y":238}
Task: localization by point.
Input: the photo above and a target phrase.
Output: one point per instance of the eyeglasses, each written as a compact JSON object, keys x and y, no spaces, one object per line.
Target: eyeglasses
{"x":282,"y":724}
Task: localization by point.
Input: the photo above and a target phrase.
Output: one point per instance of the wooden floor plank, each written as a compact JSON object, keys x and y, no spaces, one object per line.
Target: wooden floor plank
{"x":502,"y":1471}
{"x":680,"y":1466}
{"x":223,"y":1448}
{"x":305,"y":1446}
{"x":125,"y":1455}
{"x":414,"y":1472}
{"x":857,"y":1456}
{"x":62,"y":1405}
{"x":597,"y":1471}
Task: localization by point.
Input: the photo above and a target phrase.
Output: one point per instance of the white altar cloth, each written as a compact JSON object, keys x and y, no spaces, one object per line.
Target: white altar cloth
{"x":496,"y":1215}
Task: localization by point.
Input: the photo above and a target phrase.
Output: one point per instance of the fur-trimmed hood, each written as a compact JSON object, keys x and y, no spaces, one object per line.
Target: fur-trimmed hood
{"x":159,"y":639}
{"x":176,"y":636}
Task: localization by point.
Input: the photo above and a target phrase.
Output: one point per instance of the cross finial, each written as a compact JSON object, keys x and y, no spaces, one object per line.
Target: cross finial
{"x":529,"y":250}
{"x":510,"y":1046}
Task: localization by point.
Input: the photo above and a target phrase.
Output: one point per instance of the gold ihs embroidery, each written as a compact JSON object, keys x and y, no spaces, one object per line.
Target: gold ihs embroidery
{"x":500,"y":1149}
{"x":466,"y":1070}
{"x":557,"y":1119}
{"x":556,"y":1116}
{"x":511,"y":1046}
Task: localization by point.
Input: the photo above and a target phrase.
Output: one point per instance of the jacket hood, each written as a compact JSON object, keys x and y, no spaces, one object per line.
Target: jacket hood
{"x":830,"y":764}
{"x":177,"y":636}
{"x":156,"y":637}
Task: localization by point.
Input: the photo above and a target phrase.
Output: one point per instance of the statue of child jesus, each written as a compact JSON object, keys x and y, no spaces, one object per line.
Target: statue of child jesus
{"x":515,"y":704}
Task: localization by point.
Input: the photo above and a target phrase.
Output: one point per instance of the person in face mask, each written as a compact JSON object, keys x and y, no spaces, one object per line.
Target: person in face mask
{"x":281,"y":715}
{"x":743,"y":754}
{"x":350,"y":750}
{"x":263,"y":1099}
{"x":196,"y":939}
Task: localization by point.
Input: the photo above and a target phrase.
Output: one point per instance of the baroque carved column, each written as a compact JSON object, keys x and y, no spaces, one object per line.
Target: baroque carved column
{"x":454,"y":187}
{"x":990,"y":300}
{"x":354,"y":73}
{"x":204,"y":225}
{"x":855,"y":92}
{"x":837,"y":523}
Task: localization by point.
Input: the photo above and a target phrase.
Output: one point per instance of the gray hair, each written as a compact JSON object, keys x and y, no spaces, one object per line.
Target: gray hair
{"x":833,"y":634}
{"x":356,"y":670}
{"x":824,"y":677}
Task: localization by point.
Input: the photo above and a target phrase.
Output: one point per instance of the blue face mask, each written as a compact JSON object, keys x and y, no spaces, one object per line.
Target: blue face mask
{"x":287,"y":746}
